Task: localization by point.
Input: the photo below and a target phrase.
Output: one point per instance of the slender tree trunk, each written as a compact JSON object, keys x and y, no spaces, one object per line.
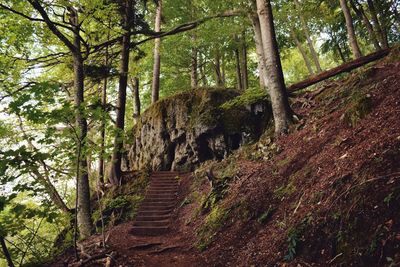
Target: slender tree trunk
{"x":194,"y":80}
{"x":84,"y":210}
{"x":223,"y":69}
{"x":275,"y":80}
{"x":350,"y":30}
{"x":361,"y":14}
{"x":239,"y":81}
{"x":302,"y":51}
{"x":136,"y":98}
{"x":218,"y":76}
{"x":116,"y":172}
{"x":378,"y":27}
{"x":259,"y":49}
{"x":244,"y":67}
{"x":155,"y":91}
{"x":314,"y":53}
{"x":6,"y":252}
{"x":103,"y":122}
{"x":203,"y":77}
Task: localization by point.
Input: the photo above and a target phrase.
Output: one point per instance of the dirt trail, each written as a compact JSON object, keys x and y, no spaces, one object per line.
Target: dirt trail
{"x":168,"y":244}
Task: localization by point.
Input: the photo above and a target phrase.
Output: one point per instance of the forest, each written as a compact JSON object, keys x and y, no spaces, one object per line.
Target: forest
{"x":261,"y":132}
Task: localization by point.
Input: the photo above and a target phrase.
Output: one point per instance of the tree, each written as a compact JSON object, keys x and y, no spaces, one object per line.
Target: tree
{"x":157,"y":57}
{"x":6,"y":252}
{"x":350,"y":30}
{"x":308,"y":36}
{"x":274,"y":74}
{"x":83,"y":191}
{"x":116,"y":173}
{"x":358,"y":9}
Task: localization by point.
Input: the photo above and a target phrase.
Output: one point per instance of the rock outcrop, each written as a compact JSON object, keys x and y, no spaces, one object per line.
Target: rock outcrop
{"x":180,"y":132}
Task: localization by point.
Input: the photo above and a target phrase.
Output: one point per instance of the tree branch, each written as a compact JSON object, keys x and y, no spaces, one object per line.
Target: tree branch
{"x":52,"y":26}
{"x":31,"y":18}
{"x":178,"y":29}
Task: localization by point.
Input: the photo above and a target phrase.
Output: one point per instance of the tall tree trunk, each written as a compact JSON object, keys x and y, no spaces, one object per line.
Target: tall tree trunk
{"x":358,"y":9}
{"x":378,"y":26}
{"x":155,"y":88}
{"x":314,"y":53}
{"x":259,"y":49}
{"x":302,"y":51}
{"x":116,"y":172}
{"x":223,"y":69}
{"x":239,"y":81}
{"x":355,"y":49}
{"x":202,"y":67}
{"x":83,"y":190}
{"x":84,"y":210}
{"x":136,"y":98}
{"x":194,"y":80}
{"x":218,"y":74}
{"x":103,"y":122}
{"x":275,"y":80}
{"x":244,"y":67}
{"x":6,"y":253}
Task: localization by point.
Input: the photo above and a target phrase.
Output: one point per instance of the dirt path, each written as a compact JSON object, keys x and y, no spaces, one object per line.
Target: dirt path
{"x":173,"y":246}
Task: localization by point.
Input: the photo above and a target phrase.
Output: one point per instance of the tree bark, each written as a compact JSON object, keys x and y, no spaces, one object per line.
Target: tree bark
{"x":83,"y":190}
{"x":275,"y":80}
{"x":314,"y":53}
{"x":136,"y":98}
{"x":239,"y":81}
{"x":84,"y":210}
{"x":103,"y":123}
{"x":155,"y":91}
{"x":218,"y":75}
{"x":358,"y":9}
{"x":375,"y":20}
{"x":259,"y":49}
{"x":6,"y":252}
{"x":194,"y":80}
{"x":116,"y":172}
{"x":355,"y":49}
{"x":203,"y":76}
{"x":243,"y":64}
{"x":302,"y":51}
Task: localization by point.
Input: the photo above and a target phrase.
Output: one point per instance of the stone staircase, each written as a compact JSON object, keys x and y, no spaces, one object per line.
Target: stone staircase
{"x":153,"y":217}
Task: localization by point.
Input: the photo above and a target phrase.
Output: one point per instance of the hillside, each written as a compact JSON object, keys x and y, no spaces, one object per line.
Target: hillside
{"x":325,"y":195}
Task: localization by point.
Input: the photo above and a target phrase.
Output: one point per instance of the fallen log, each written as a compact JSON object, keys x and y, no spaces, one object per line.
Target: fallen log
{"x":340,"y":69}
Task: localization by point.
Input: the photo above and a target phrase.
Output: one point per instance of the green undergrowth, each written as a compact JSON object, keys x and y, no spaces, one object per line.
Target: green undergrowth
{"x":121,"y":203}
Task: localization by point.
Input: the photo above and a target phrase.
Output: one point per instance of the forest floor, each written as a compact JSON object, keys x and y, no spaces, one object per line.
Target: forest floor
{"x":328,"y":194}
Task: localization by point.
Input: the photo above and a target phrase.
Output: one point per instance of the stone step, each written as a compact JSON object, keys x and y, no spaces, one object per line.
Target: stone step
{"x":153,"y":217}
{"x":146,"y":212}
{"x":160,"y":195}
{"x":156,"y":207}
{"x":147,"y":203}
{"x":166,"y":186}
{"x":149,"y":230}
{"x":164,"y":223}
{"x":164,"y":181}
{"x":161,"y":186}
{"x":161,"y":191}
{"x":162,"y":178}
{"x":165,"y":174}
{"x":160,"y":198}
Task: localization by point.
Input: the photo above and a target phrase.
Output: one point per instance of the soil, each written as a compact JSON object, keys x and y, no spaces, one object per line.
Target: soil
{"x":332,"y":191}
